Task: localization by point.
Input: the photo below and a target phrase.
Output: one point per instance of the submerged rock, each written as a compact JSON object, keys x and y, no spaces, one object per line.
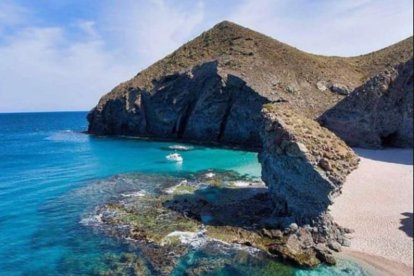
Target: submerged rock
{"x":377,"y":114}
{"x":303,"y":164}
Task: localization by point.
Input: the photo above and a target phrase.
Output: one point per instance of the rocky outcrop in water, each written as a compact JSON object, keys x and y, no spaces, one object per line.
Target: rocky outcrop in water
{"x":304,"y":164}
{"x":377,"y":114}
{"x":207,"y":211}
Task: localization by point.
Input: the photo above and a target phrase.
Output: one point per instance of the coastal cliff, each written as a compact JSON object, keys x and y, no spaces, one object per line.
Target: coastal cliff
{"x":211,"y":90}
{"x":202,"y":104}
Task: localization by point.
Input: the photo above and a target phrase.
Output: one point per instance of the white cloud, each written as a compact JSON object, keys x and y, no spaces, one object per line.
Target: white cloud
{"x":70,"y":65}
{"x":149,"y":30}
{"x":42,"y":70}
{"x":340,"y":27}
{"x":11,"y":14}
{"x":48,"y":68}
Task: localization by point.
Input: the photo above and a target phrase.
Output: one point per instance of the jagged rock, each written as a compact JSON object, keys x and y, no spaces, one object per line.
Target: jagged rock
{"x":335,"y":246}
{"x":267,"y":233}
{"x":325,"y":255}
{"x":276,"y":234}
{"x":377,"y":114}
{"x":303,"y":164}
{"x":293,"y":250}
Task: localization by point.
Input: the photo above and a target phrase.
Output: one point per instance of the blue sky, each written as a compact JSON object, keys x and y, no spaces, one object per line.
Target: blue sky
{"x":64,"y":55}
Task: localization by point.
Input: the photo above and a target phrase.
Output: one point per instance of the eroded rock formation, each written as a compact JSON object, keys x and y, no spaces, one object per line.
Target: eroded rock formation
{"x":303,"y":164}
{"x":377,"y":114}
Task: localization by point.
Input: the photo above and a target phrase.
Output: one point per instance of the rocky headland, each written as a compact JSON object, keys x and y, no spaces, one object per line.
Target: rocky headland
{"x":211,"y":90}
{"x":232,"y":86}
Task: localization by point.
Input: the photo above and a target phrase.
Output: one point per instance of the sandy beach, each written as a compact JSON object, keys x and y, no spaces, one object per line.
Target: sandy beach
{"x":377,"y":202}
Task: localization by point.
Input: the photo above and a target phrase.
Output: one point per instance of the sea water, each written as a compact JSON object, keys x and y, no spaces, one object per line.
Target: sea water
{"x":46,"y":159}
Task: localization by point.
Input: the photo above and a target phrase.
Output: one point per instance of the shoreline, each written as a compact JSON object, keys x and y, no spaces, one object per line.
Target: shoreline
{"x":376,"y":265}
{"x":377,"y":203}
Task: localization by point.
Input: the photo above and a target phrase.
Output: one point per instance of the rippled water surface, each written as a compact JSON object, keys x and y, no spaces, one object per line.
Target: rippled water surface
{"x":46,"y":163}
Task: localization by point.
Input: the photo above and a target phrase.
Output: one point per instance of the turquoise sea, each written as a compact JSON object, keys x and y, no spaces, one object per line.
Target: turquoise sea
{"x":45,"y":160}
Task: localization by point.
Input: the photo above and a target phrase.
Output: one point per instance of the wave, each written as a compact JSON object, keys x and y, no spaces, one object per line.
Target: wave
{"x":67,"y":135}
{"x":179,"y":147}
{"x":134,"y":194}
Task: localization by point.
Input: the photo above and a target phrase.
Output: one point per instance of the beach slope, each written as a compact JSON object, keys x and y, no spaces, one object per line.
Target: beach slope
{"x":377,"y":202}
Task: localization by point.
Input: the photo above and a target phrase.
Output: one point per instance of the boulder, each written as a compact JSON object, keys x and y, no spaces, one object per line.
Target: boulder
{"x":303,"y":164}
{"x":377,"y":114}
{"x":340,"y":89}
{"x":293,"y":250}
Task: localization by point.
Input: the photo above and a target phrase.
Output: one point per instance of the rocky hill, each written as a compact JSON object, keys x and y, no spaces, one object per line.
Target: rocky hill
{"x":212,"y":89}
{"x":377,"y":114}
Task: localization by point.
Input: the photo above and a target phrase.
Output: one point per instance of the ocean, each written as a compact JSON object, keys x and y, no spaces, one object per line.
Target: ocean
{"x":46,"y":162}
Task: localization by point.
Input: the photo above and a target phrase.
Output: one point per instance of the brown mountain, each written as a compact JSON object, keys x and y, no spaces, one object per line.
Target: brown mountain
{"x":212,"y":88}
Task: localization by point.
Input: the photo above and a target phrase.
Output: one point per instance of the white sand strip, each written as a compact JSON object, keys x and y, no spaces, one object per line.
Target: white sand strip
{"x":377,"y":202}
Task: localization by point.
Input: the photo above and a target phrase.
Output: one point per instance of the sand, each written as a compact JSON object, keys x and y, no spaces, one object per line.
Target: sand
{"x":377,"y":202}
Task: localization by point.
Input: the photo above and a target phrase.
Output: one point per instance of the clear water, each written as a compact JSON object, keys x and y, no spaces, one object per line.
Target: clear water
{"x":45,"y":159}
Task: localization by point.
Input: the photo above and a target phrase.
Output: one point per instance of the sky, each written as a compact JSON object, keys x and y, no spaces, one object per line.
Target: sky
{"x":63,"y":55}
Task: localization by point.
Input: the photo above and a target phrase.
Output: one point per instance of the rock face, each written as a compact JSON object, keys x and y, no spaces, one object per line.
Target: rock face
{"x":203,"y":104}
{"x":377,"y":114}
{"x":303,"y":164}
{"x":211,"y":89}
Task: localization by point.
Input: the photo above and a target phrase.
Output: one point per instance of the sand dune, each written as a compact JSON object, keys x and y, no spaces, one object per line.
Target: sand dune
{"x":377,"y":202}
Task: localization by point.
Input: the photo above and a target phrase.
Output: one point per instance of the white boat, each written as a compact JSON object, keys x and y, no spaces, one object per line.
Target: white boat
{"x":174,"y":157}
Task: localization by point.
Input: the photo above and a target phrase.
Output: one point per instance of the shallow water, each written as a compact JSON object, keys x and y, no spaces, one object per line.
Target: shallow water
{"x":46,"y":163}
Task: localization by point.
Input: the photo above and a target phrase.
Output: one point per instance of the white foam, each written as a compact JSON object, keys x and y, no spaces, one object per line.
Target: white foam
{"x":134,"y":194}
{"x":172,"y":189}
{"x":209,"y":175}
{"x":241,"y":184}
{"x":181,"y":147}
{"x":194,"y":239}
{"x":200,"y":239}
{"x":67,"y":135}
{"x":92,"y":220}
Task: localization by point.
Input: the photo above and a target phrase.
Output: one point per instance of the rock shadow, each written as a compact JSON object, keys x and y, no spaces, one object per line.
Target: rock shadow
{"x":407,"y":224}
{"x":397,"y":156}
{"x":247,"y":208}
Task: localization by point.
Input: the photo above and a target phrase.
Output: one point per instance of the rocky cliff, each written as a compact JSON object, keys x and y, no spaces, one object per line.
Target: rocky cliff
{"x":378,"y":113}
{"x":304,"y":164}
{"x":202,"y":104}
{"x":211,"y":89}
